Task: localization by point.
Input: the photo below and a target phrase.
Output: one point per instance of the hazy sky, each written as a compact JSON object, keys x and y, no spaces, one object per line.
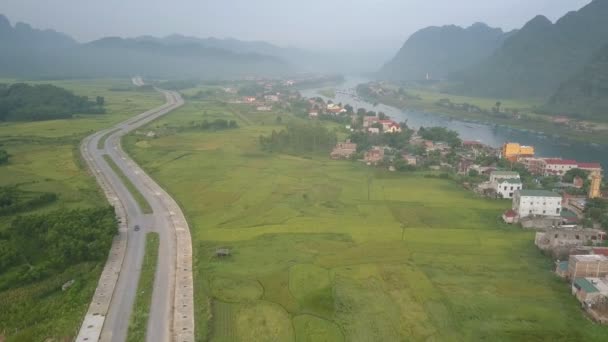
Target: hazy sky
{"x":303,"y":23}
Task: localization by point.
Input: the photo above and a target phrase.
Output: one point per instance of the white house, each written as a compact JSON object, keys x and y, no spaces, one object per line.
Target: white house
{"x":537,"y":203}
{"x":503,"y":175}
{"x":505,"y":188}
{"x":505,"y":183}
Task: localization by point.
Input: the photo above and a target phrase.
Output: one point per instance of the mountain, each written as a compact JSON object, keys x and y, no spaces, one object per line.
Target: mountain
{"x":438,"y":51}
{"x":585,"y":94}
{"x":534,"y":61}
{"x":28,"y":52}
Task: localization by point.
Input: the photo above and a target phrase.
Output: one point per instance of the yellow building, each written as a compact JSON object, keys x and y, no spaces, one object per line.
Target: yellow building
{"x":596,"y":183}
{"x":514,"y":151}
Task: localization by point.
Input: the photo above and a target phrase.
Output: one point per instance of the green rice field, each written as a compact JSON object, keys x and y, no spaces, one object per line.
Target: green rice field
{"x":326,"y":250}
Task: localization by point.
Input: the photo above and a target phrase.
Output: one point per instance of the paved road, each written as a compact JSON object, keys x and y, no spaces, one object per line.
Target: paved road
{"x":171,"y":314}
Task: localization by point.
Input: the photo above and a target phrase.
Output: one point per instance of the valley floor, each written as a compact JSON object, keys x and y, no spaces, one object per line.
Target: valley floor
{"x":326,"y":250}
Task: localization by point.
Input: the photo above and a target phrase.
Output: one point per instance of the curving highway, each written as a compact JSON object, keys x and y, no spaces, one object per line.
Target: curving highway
{"x":171,"y":315}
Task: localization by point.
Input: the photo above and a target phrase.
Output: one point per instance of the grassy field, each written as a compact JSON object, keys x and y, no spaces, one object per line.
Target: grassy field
{"x":45,"y":158}
{"x":315,"y":258}
{"x":143,"y":204}
{"x":139,"y":317}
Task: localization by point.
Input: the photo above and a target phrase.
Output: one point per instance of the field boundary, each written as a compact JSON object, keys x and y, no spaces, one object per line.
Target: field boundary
{"x":138,"y":322}
{"x":143,"y":204}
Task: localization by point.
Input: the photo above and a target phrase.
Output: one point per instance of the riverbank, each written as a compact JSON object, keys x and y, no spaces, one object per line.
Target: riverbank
{"x":515,"y":114}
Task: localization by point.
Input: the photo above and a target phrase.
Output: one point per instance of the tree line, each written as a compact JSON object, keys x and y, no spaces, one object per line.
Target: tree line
{"x":13,"y":202}
{"x":24,"y":102}
{"x":36,"y":246}
{"x":299,"y":138}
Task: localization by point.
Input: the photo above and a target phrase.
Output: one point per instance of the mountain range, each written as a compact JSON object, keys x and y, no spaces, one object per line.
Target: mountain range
{"x":563,"y":62}
{"x":435,"y":52}
{"x":29,"y":52}
{"x":539,"y":57}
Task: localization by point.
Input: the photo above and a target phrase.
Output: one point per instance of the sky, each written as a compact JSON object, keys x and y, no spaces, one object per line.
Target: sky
{"x":299,"y":23}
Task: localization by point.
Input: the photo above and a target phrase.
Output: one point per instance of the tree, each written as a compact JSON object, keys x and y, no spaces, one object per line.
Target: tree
{"x":349,"y":109}
{"x":100,"y":100}
{"x":279,"y":120}
{"x":573,"y":173}
{"x":3,"y":157}
{"x":382,"y":116}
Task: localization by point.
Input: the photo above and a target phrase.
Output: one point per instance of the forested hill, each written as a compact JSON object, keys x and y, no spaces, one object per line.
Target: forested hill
{"x":538,"y":58}
{"x":439,"y":51}
{"x":586,"y":93}
{"x":24,"y":102}
{"x":28,"y":52}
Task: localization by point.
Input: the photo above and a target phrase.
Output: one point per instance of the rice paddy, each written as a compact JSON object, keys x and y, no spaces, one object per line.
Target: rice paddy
{"x":326,"y":250}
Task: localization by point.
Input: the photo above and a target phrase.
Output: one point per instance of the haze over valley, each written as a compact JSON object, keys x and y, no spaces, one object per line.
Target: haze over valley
{"x":423,"y":170}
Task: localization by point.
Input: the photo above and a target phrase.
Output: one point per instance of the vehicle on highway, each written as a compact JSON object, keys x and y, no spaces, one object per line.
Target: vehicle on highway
{"x":136,"y":228}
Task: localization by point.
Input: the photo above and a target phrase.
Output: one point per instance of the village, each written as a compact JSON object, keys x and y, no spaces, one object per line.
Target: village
{"x":555,"y":199}
{"x":561,"y":199}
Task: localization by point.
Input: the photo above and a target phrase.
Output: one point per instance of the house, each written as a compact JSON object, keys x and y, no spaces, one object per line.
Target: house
{"x":409,"y":159}
{"x":313,"y":113}
{"x":471,"y":144}
{"x":250,"y":99}
{"x":591,"y":265}
{"x":505,"y":188}
{"x":344,"y":150}
{"x":561,"y":268}
{"x":588,"y":290}
{"x":496,"y":175}
{"x":465,"y":165}
{"x":595,"y":186}
{"x":373,"y":130}
{"x":271,"y":98}
{"x":559,"y":167}
{"x":536,"y":166}
{"x":393,"y":128}
{"x":578,"y":182}
{"x":264,"y":108}
{"x":567,"y":238}
{"x":390,"y":126}
{"x":510,"y":216}
{"x":368,"y":121}
{"x":591,"y":167}
{"x":514,"y":151}
{"x":374,"y":156}
{"x":537,"y":203}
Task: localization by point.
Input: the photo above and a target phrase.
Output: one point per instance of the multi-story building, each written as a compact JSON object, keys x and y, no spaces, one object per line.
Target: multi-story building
{"x":591,"y":265}
{"x":559,"y":167}
{"x":514,"y":151}
{"x":537,"y":203}
{"x":506,"y":188}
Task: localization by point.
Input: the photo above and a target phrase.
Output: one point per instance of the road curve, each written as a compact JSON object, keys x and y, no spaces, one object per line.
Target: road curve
{"x":172,"y":313}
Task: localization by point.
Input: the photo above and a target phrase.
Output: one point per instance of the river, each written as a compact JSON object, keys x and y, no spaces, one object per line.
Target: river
{"x":488,"y":134}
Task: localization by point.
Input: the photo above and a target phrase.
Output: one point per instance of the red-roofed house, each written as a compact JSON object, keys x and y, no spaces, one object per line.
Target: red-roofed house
{"x":510,"y":216}
{"x":591,"y":167}
{"x":393,"y":128}
{"x":558,"y":167}
{"x":385,"y":124}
